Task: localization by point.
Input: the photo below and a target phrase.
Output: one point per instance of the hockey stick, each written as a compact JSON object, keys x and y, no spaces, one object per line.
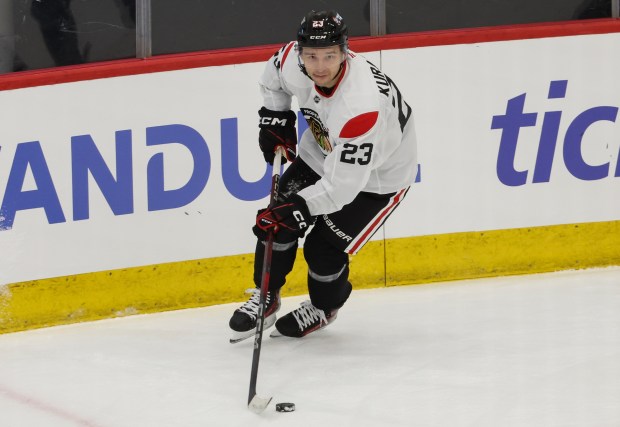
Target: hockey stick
{"x":256,"y":403}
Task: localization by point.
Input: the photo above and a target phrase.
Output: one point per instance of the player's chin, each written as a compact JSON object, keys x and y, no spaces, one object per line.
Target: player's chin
{"x":320,"y":80}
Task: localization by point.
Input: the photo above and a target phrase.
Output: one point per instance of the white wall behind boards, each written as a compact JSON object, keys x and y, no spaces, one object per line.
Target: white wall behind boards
{"x":456,"y":91}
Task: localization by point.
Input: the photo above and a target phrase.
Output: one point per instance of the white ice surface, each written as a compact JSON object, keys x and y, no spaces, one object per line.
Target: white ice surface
{"x":527,"y":351}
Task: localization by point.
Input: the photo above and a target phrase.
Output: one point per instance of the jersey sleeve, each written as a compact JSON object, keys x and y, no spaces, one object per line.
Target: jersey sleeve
{"x":348,"y":167}
{"x":276,"y":95}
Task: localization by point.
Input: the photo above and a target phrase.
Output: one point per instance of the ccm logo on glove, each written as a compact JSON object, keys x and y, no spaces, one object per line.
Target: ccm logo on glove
{"x":277,"y":129}
{"x":272,"y":121}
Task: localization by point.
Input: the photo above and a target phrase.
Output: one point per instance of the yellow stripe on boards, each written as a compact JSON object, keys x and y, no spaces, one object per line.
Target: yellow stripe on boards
{"x":502,"y":252}
{"x":403,"y":261}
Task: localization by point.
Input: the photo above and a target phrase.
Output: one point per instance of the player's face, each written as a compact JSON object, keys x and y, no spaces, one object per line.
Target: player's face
{"x":322,"y":64}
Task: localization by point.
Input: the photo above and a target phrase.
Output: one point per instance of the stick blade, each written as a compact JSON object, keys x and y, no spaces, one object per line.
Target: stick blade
{"x":258,"y":404}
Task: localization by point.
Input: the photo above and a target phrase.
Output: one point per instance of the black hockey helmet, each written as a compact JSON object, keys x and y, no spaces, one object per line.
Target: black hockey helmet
{"x":322,"y":29}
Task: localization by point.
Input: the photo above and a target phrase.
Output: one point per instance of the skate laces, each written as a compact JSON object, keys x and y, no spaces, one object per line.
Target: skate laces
{"x":251,"y":307}
{"x":307,"y":314}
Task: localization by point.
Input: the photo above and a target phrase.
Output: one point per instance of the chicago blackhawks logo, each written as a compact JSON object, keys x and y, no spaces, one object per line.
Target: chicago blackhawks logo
{"x":320,"y":133}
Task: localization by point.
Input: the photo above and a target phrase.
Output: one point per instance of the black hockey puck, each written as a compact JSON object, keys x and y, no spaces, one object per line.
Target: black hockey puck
{"x":285,"y":407}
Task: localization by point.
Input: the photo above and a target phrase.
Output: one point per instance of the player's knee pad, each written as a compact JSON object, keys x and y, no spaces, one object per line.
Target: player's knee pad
{"x":328,"y":273}
{"x":329,"y":292}
{"x":323,"y":258}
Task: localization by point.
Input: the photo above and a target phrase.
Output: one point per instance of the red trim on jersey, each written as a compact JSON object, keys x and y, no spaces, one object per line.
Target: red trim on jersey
{"x":286,"y":51}
{"x":361,"y":240}
{"x":359,"y":125}
{"x":344,"y":70}
{"x":172,"y":62}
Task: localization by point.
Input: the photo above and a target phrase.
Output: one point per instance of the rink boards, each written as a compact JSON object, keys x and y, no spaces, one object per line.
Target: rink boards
{"x":130,"y":187}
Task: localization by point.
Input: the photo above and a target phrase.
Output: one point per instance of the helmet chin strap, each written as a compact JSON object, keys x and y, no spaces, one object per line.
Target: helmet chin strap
{"x":337,"y":74}
{"x":302,"y":66}
{"x":340,"y":69}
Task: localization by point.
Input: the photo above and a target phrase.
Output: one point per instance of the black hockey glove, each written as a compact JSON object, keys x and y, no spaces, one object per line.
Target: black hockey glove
{"x":277,"y":128}
{"x":290,"y":218}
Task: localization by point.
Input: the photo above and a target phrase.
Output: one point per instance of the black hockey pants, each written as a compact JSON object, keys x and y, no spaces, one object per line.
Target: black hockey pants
{"x":328,"y":243}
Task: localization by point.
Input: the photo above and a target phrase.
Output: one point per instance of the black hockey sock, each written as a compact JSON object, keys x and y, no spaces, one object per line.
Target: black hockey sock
{"x":282,"y":261}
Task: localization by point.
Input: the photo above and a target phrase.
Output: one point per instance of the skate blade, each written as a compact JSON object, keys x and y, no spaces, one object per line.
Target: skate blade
{"x":238,"y":337}
{"x":275,"y":334}
{"x":242,"y":336}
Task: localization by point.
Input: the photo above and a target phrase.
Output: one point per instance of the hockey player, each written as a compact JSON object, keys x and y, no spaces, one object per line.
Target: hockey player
{"x":356,"y":162}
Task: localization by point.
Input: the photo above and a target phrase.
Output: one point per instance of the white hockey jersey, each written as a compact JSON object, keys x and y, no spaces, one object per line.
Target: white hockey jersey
{"x":361,"y":137}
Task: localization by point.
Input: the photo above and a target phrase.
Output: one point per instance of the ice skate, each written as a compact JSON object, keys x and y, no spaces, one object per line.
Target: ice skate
{"x":243,"y":320}
{"x":303,"y":320}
